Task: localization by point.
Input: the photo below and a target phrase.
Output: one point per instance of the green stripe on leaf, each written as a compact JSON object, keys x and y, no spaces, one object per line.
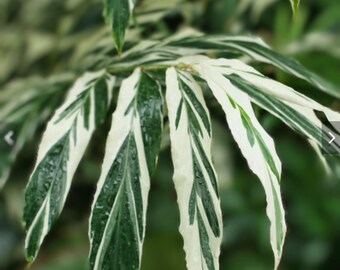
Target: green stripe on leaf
{"x":44,"y":192}
{"x":118,"y":14}
{"x":117,"y":223}
{"x":194,"y":176}
{"x":63,"y":144}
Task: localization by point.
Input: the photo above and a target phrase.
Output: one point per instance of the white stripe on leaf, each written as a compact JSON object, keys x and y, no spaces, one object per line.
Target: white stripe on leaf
{"x":117,"y":223}
{"x":287,"y":98}
{"x":194,"y":176}
{"x":253,"y":47}
{"x":23,"y":110}
{"x":62,"y":147}
{"x":256,"y":146}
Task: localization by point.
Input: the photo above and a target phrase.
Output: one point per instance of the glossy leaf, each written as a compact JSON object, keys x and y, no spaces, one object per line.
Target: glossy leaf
{"x":118,"y":14}
{"x":63,"y":145}
{"x":117,"y":223}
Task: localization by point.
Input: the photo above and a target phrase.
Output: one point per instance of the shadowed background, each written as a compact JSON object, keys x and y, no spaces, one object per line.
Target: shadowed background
{"x":42,"y":37}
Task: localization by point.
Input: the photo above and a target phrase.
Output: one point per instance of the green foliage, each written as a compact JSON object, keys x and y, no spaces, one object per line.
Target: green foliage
{"x":195,"y":72}
{"x":118,"y":14}
{"x":117,"y":223}
{"x":295,"y":5}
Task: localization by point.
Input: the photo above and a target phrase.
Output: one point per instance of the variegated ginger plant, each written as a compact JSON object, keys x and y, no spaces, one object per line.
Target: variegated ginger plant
{"x":161,"y":81}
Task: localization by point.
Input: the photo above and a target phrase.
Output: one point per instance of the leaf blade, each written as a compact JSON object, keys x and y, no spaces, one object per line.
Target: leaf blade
{"x":59,"y":154}
{"x":194,"y":176}
{"x":117,"y":14}
{"x":261,"y":156}
{"x":295,"y":109}
{"x":22,"y":112}
{"x":131,"y":155}
{"x":253,"y":47}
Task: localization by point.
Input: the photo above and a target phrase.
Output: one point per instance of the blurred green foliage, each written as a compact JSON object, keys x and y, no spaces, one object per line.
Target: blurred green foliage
{"x":42,"y":37}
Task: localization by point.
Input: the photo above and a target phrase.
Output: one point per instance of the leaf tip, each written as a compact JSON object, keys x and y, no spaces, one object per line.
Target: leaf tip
{"x":29,"y":259}
{"x":119,"y":43}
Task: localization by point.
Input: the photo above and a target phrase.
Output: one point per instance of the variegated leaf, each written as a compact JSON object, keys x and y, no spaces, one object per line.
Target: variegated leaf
{"x":22,"y":111}
{"x":118,"y":14}
{"x":117,"y":223}
{"x":63,"y":144}
{"x":194,"y":177}
{"x":256,"y":146}
{"x":251,"y":46}
{"x":295,"y":109}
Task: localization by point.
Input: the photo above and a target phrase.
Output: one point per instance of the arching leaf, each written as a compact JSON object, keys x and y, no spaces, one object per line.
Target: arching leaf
{"x":256,"y":146}
{"x":254,"y":47}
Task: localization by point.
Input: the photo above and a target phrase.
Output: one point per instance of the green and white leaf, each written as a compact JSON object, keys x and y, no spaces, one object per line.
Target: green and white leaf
{"x":22,"y":111}
{"x":250,"y":46}
{"x":256,"y":146}
{"x":191,"y":43}
{"x":295,"y":109}
{"x":194,"y":176}
{"x":118,"y":14}
{"x":62,"y":147}
{"x":117,"y":223}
